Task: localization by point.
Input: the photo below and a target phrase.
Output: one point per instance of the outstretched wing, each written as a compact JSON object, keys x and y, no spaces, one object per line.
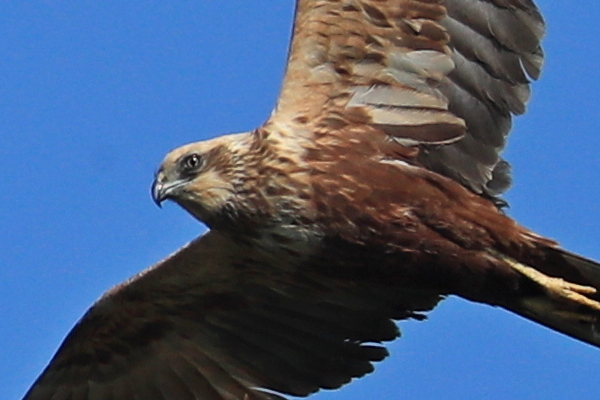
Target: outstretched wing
{"x":218,"y":320}
{"x":443,"y":75}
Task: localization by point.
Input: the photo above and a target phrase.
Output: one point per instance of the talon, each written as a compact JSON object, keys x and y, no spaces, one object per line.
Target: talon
{"x":555,"y":287}
{"x":561,"y":289}
{"x":581,"y":289}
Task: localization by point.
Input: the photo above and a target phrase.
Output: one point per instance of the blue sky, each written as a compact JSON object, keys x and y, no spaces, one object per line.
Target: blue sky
{"x":93,"y":94}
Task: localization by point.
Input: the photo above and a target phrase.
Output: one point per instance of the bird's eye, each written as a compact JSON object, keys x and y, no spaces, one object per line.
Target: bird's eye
{"x":191,"y":163}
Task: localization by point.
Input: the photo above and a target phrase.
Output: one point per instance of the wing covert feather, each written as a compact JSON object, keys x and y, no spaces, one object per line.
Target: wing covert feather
{"x":373,"y":62}
{"x":444,"y":75}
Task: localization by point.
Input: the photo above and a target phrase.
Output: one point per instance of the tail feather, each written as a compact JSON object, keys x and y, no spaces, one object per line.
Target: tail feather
{"x":589,"y":269}
{"x":575,"y":316}
{"x":543,"y":311}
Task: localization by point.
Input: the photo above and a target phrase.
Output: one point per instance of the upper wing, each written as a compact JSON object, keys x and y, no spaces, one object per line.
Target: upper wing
{"x":445,"y":75}
{"x":217,"y":320}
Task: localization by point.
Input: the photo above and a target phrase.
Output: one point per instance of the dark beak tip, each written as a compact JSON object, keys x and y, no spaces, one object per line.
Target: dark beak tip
{"x":157,"y":194}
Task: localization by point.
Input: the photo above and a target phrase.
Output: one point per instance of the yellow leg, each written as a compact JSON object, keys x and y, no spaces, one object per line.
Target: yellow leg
{"x":556,"y":288}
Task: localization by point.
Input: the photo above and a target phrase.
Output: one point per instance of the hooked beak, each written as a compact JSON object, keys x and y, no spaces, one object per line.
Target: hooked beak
{"x":158,"y":193}
{"x":161,"y":191}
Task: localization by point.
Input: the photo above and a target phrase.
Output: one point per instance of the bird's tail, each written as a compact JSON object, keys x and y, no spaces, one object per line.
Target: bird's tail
{"x":567,"y":298}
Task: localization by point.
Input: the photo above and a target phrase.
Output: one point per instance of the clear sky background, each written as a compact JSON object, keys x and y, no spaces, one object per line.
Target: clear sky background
{"x":94,"y":93}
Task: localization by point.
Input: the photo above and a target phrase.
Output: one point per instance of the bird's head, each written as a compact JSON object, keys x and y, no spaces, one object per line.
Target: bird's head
{"x":201,"y":177}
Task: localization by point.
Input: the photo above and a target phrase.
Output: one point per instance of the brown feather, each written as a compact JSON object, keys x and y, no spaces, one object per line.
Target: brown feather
{"x":366,"y":197}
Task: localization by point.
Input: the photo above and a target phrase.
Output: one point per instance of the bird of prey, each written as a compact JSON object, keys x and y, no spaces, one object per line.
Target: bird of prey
{"x":370,"y":194}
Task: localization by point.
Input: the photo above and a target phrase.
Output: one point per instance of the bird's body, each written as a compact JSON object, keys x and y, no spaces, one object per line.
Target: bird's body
{"x":370,"y":194}
{"x":337,"y":204}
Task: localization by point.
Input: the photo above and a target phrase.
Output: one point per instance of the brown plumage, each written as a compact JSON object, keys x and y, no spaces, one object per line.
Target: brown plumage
{"x":368,"y":196}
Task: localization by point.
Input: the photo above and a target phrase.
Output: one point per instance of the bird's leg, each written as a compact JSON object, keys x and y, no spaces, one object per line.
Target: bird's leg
{"x":556,"y":288}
